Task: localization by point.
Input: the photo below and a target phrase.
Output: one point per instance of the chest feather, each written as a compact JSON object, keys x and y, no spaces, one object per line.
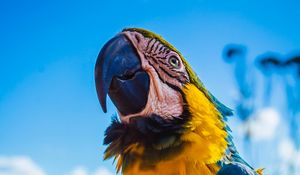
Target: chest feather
{"x":181,"y":166}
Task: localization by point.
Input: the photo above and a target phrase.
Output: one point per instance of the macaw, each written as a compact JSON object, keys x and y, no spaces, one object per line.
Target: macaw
{"x":168,"y":123}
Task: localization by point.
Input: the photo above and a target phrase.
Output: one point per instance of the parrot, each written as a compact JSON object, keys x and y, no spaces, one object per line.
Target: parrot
{"x":166,"y":121}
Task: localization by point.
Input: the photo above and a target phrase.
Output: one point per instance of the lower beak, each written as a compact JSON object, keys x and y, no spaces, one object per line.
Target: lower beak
{"x":119,"y":74}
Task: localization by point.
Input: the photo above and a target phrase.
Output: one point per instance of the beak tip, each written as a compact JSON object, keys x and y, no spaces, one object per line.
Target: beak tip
{"x":101,"y":93}
{"x":102,"y":98}
{"x":104,"y":108}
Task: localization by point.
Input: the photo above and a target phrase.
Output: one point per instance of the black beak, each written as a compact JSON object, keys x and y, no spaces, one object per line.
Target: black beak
{"x":119,"y":74}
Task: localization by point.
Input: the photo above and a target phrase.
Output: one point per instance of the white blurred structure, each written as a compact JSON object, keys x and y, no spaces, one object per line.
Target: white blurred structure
{"x":81,"y":170}
{"x":263,"y":124}
{"x":19,"y":165}
{"x":24,"y":165}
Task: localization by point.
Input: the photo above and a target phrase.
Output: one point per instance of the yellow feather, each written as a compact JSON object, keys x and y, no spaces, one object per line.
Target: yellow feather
{"x":207,"y":133}
{"x":260,"y":171}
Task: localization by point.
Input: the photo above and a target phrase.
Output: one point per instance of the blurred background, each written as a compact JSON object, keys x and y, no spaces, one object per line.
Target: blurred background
{"x":247,"y":53}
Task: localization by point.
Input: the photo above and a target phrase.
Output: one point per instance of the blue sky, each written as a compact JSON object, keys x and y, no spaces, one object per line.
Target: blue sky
{"x":48,"y":105}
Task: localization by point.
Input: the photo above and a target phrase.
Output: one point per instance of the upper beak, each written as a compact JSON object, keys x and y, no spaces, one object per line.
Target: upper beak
{"x":119,"y":74}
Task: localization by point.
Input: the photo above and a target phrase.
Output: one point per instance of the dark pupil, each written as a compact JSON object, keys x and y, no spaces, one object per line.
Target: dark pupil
{"x":174,"y":61}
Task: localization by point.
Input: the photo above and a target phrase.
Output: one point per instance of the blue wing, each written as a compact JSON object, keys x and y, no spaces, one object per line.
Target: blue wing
{"x":236,"y":169}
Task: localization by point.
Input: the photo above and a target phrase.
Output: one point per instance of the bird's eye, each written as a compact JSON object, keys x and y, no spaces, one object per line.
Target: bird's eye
{"x":174,"y":62}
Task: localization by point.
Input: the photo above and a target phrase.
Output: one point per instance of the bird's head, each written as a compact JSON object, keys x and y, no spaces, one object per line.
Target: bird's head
{"x":163,"y":107}
{"x":143,"y":75}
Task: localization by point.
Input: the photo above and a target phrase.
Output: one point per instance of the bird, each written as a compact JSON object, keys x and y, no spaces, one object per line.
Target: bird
{"x":167,"y":122}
